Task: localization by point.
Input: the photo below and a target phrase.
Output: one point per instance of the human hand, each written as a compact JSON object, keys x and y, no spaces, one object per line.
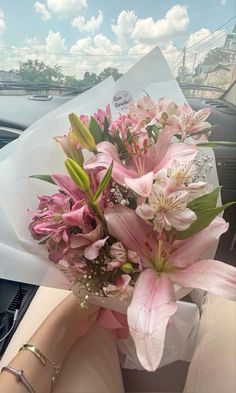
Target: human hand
{"x":76,"y":317}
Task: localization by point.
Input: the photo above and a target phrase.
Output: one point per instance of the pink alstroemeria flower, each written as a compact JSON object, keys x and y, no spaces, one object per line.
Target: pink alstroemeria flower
{"x":89,"y":240}
{"x":120,"y":289}
{"x":193,"y":121}
{"x":100,"y":116}
{"x":153,"y":301}
{"x":139,"y":172}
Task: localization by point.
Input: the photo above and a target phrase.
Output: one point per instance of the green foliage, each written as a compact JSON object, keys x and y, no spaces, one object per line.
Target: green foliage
{"x":46,"y":178}
{"x":216,"y":143}
{"x":36,"y":71}
{"x":95,"y":130}
{"x":216,"y":56}
{"x":104,"y":182}
{"x":109,"y":71}
{"x":206,"y":210}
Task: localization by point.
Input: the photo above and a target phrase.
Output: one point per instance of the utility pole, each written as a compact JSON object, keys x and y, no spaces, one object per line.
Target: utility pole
{"x":194,"y":62}
{"x":184,"y":57}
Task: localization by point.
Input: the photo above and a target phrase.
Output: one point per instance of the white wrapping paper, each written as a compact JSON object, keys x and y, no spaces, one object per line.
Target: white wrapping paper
{"x":35,"y":152}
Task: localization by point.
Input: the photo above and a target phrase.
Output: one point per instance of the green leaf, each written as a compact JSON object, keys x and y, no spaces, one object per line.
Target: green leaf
{"x":47,"y":178}
{"x":104,"y":182}
{"x":206,"y":210}
{"x":106,"y":134}
{"x":216,"y":143}
{"x":205,"y":130}
{"x":95,"y":130}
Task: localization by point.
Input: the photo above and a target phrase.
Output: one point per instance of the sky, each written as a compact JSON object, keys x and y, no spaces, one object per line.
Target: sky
{"x":89,"y":35}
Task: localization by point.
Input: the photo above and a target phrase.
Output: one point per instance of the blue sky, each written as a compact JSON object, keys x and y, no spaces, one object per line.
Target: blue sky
{"x":114,"y":33}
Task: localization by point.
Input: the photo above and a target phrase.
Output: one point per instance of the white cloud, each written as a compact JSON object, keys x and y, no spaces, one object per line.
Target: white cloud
{"x":66,"y":7}
{"x":223,"y":2}
{"x":125,"y":24}
{"x":41,"y":9}
{"x":90,"y":25}
{"x":54,"y":42}
{"x":175,"y":22}
{"x":2,"y":21}
{"x":206,"y":37}
{"x":97,"y":45}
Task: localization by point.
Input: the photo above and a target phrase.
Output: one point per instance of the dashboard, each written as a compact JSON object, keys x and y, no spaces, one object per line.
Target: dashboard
{"x":19,"y":112}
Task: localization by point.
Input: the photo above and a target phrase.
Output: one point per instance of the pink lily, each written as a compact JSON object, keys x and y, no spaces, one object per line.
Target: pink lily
{"x":139,"y":172}
{"x":153,"y":302}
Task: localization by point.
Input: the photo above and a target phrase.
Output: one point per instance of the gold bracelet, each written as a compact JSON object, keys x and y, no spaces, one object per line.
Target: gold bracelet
{"x":43,"y":359}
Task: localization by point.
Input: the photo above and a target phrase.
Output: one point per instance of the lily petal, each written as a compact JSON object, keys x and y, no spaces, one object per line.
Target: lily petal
{"x":67,"y":185}
{"x":190,"y":250}
{"x":210,"y":275}
{"x":141,"y":185}
{"x":148,"y":316}
{"x":184,"y":152}
{"x":124,"y":224}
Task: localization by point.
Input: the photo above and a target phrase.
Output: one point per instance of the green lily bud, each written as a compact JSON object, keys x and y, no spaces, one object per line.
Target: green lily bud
{"x":70,"y":147}
{"x":82,"y":133}
{"x":127,"y":268}
{"x":78,"y":175}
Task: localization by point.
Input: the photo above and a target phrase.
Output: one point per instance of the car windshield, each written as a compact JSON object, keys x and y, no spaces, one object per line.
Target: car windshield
{"x":55,"y":47}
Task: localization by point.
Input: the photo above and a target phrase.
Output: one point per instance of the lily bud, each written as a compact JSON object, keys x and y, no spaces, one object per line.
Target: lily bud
{"x":82,"y":133}
{"x":127,"y":268}
{"x":78,"y":175}
{"x":71,"y":147}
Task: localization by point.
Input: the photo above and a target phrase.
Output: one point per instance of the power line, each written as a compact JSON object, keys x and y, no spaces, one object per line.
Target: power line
{"x":213,"y":32}
{"x":111,"y":54}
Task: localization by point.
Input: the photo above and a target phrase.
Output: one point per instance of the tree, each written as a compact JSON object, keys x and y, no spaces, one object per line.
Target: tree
{"x":71,"y":81}
{"x":90,"y":78}
{"x":109,"y":71}
{"x":37,"y":71}
{"x":216,"y":56}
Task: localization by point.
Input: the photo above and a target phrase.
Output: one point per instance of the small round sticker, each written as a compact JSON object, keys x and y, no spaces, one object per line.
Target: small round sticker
{"x":121,"y":100}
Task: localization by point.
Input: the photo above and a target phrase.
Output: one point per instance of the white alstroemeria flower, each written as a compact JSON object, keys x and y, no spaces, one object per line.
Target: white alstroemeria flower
{"x":182,"y":173}
{"x":182,"y":177}
{"x":167,"y":209}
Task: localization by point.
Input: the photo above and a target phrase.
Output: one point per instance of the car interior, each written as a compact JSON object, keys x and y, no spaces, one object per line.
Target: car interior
{"x":19,"y":112}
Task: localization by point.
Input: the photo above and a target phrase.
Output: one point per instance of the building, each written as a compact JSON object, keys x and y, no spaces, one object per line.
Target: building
{"x":230,"y":44}
{"x":221,"y":75}
{"x":9,"y":76}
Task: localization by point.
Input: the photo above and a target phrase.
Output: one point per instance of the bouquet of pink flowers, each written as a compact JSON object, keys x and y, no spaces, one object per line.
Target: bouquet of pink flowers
{"x":135,"y":215}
